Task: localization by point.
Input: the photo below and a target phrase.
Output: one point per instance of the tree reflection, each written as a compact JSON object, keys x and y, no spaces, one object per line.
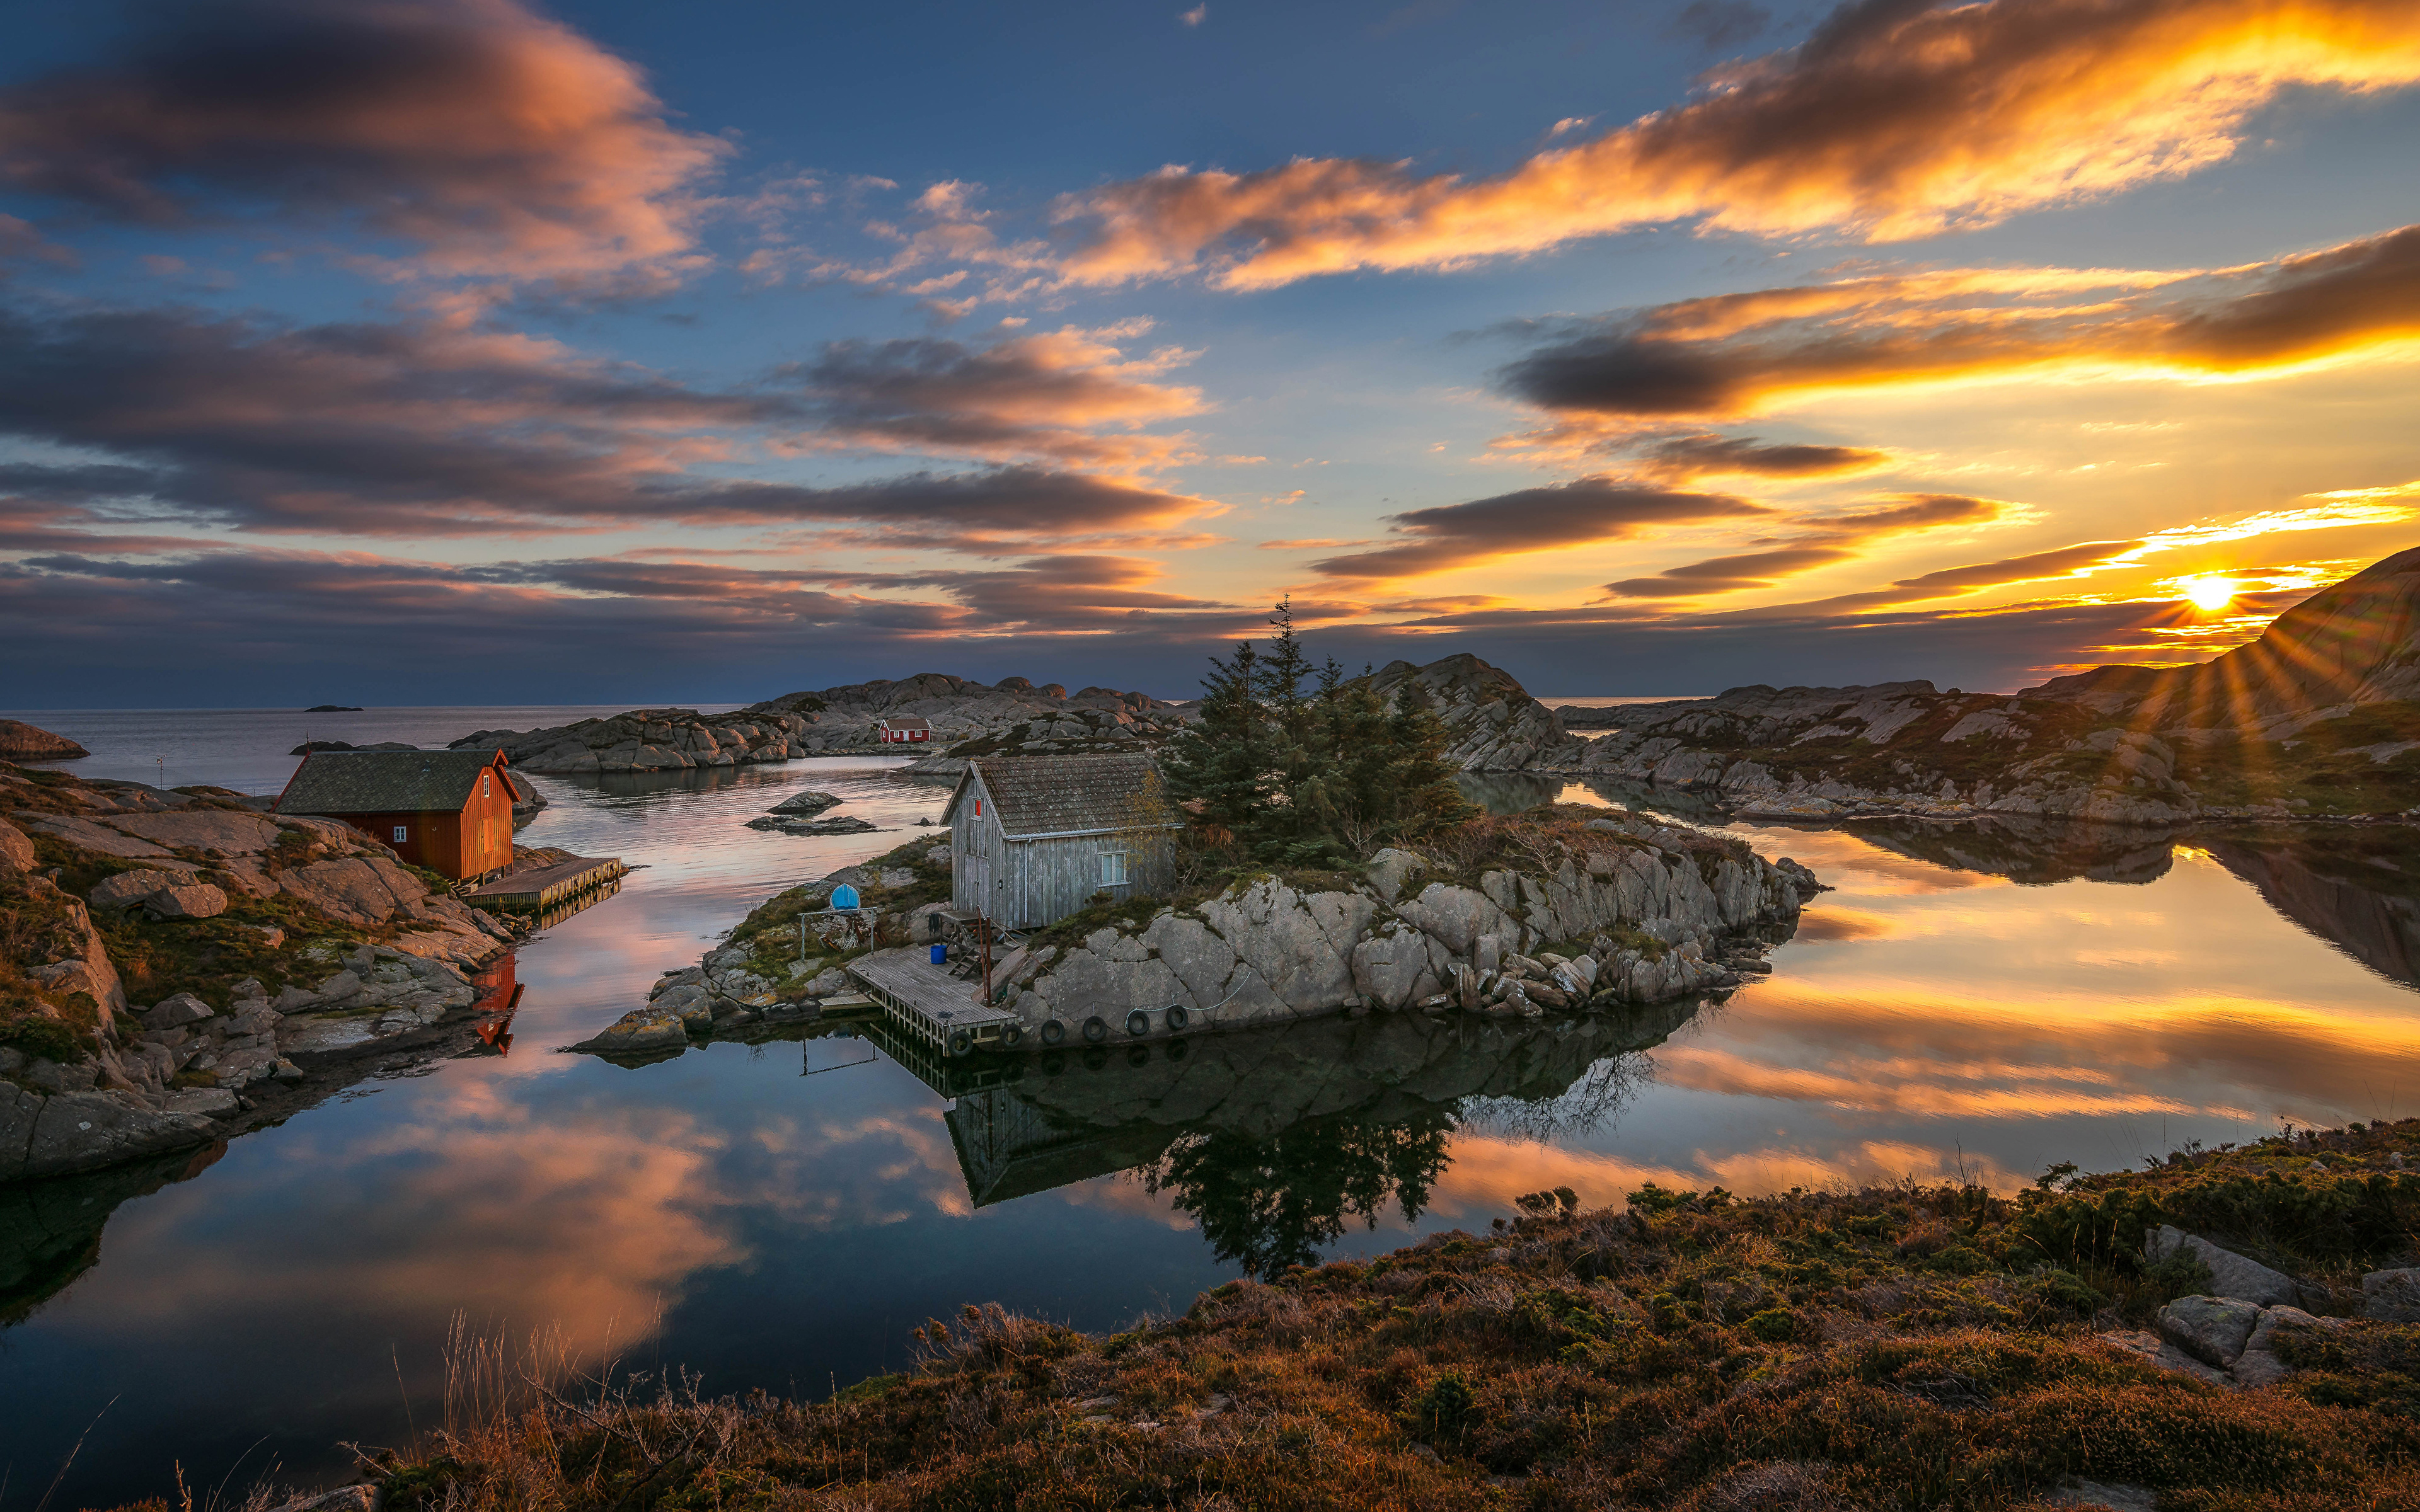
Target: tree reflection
{"x":1595,"y":1101}
{"x":1269,"y":1202}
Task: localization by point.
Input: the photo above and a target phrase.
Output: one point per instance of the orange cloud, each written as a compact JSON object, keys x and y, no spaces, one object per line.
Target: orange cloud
{"x":1578,"y":513}
{"x":1892,"y":121}
{"x":1030,"y":396}
{"x":1826,"y":542}
{"x":1744,"y":354}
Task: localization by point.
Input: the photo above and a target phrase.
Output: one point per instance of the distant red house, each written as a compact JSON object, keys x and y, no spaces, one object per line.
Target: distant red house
{"x":909,"y":730}
{"x":448,"y":811}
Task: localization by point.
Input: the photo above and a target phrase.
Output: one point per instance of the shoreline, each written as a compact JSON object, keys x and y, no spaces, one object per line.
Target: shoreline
{"x":1899,"y":1345}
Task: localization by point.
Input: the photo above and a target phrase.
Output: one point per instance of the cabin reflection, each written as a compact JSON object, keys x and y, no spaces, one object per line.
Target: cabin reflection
{"x":1275,"y":1140}
{"x":500,"y":993}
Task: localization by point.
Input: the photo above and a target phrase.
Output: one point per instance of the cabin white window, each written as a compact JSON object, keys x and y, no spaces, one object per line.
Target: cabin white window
{"x":1114,"y":868}
{"x":485,"y":790}
{"x":401,"y":833}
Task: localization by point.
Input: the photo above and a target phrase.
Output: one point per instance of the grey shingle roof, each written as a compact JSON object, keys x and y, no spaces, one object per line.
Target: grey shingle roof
{"x":384,"y":782}
{"x":1073,"y":795}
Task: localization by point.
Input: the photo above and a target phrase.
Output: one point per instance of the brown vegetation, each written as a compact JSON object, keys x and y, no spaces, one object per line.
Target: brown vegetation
{"x":1899,"y":1347}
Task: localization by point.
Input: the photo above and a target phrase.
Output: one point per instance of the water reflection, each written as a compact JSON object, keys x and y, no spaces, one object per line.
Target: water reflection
{"x":1276,"y":1140}
{"x":2357,"y":886}
{"x":1976,"y":1000}
{"x":50,"y":1231}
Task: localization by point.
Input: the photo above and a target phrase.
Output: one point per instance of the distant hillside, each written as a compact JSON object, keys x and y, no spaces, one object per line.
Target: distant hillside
{"x":2356,"y":642}
{"x":2316,"y":717}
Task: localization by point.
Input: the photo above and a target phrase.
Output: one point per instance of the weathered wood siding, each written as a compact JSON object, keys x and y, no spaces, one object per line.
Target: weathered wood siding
{"x":978,"y":853}
{"x":1025,"y":884}
{"x":1054,"y":878}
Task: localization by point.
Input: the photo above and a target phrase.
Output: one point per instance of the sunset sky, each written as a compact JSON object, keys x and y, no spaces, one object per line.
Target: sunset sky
{"x":466,"y":350}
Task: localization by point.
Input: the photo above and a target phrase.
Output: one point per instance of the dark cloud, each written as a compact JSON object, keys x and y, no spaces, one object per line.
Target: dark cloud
{"x":432,"y":427}
{"x":487,"y":139}
{"x":1581,"y":512}
{"x":1723,"y":575}
{"x":1713,"y":456}
{"x":1027,"y":396}
{"x":1896,"y":118}
{"x":1737,"y":354}
{"x":1950,"y":582}
{"x":1823,"y":541}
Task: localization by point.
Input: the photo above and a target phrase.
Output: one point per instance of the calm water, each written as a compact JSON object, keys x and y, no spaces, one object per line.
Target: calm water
{"x":1971,"y":999}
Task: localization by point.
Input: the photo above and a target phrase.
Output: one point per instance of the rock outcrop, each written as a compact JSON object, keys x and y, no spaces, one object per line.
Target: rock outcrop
{"x":2321,"y":714}
{"x":649,"y":740}
{"x":23,"y":742}
{"x":1494,"y":724}
{"x":243,"y":922}
{"x":1609,"y":909}
{"x":2354,"y":643}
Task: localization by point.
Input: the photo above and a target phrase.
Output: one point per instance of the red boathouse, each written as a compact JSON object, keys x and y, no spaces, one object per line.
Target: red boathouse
{"x":448,"y":811}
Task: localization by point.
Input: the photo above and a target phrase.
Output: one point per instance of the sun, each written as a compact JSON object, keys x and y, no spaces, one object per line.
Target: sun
{"x":2210,"y":594}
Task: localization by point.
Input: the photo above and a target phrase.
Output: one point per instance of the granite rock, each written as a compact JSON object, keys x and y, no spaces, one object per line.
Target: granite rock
{"x":2212,"y":1330}
{"x":2231,"y":1275}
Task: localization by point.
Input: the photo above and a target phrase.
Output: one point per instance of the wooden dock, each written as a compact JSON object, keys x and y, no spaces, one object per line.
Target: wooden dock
{"x":931,"y":1006}
{"x":544,"y":889}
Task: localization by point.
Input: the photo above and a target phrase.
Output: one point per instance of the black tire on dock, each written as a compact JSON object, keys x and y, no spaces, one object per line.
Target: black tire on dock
{"x":1139,"y":1023}
{"x":1177,"y":1017}
{"x":961,"y":1041}
{"x":1095,"y":1029}
{"x":1011,"y":1037}
{"x":1053,"y":1032}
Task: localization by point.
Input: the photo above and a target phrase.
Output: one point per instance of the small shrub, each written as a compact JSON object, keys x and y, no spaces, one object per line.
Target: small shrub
{"x":1443,"y":1409}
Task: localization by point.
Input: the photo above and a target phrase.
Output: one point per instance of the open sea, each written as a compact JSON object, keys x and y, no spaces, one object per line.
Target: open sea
{"x":1974,"y":1001}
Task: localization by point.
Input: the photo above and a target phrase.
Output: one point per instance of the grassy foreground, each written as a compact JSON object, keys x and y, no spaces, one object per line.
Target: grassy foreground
{"x":1901,"y":1347}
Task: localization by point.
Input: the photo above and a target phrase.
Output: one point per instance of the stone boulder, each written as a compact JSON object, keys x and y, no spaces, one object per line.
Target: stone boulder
{"x":2391,"y":1296}
{"x":58,"y":1132}
{"x":810,"y":802}
{"x":198,"y":900}
{"x":643,"y":1031}
{"x":16,"y":850}
{"x":2212,"y":1330}
{"x":176,"y":1012}
{"x":2231,"y":1275}
{"x":126,"y":889}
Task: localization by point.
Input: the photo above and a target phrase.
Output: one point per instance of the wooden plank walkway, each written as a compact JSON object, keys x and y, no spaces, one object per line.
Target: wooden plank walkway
{"x":933,"y":1006}
{"x":539,"y":889}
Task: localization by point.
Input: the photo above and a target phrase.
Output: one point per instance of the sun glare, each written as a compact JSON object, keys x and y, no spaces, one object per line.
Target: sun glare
{"x":2210,"y":594}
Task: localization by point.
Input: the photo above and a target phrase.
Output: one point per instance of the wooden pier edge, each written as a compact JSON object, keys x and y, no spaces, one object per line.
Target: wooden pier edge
{"x":538,"y":890}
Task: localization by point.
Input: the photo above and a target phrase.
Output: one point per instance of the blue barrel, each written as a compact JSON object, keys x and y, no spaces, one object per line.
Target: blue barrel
{"x":940,"y":955}
{"x":843,"y":895}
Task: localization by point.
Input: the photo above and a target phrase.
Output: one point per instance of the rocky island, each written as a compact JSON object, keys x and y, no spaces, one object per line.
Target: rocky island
{"x":183,"y":966}
{"x":23,"y":742}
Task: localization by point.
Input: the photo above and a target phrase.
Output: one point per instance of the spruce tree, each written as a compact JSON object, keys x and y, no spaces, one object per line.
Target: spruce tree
{"x":1305,"y":767}
{"x":1216,"y":767}
{"x":1419,"y":777}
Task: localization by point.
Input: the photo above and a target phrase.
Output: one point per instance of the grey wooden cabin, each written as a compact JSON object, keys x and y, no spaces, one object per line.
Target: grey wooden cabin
{"x":1033,"y":838}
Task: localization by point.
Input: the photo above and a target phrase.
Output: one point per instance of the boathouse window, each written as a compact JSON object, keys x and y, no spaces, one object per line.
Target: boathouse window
{"x":1114,"y":868}
{"x":400,"y":832}
{"x":487,"y":791}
